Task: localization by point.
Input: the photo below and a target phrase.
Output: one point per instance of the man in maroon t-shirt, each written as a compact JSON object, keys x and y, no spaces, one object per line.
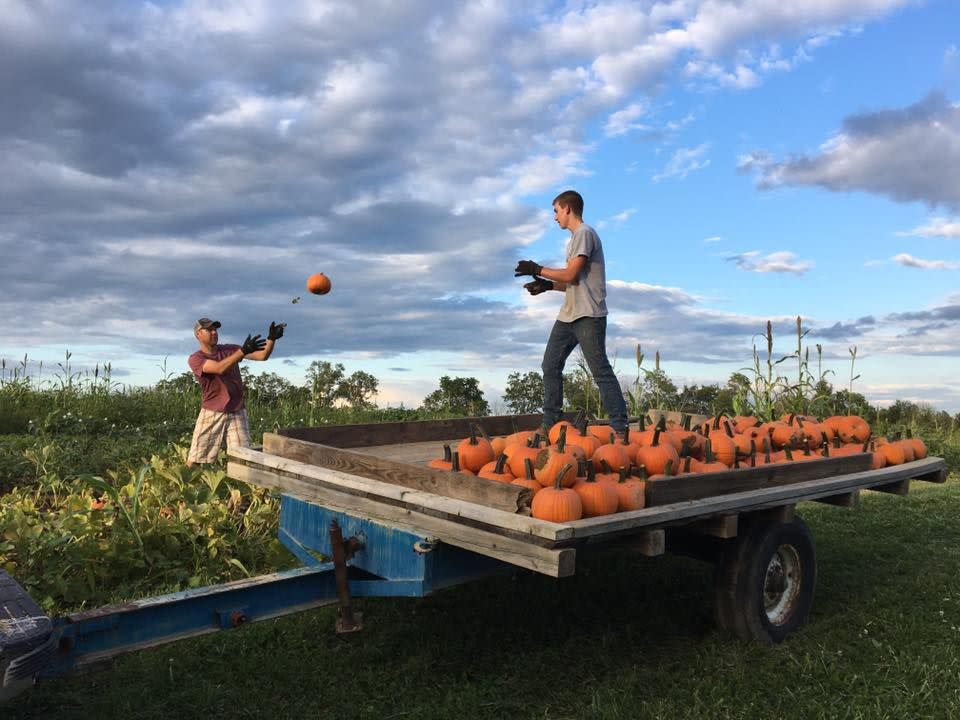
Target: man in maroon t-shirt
{"x":223,"y":415}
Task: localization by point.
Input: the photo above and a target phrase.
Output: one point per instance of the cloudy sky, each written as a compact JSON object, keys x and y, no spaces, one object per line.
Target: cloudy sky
{"x":742,"y":160}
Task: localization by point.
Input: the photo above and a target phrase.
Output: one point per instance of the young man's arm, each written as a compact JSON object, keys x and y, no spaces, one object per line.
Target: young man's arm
{"x":561,"y":277}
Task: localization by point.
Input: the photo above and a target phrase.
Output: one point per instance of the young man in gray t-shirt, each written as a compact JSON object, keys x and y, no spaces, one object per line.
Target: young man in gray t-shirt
{"x":583,"y":317}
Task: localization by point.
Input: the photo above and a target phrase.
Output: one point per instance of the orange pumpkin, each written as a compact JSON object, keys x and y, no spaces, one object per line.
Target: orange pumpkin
{"x":497,"y":470}
{"x":552,"y":459}
{"x":631,"y":492}
{"x":854,"y":428}
{"x":597,"y":498}
{"x":558,"y":504}
{"x":892,"y":453}
{"x":444,"y":463}
{"x":318,"y":284}
{"x":474,"y":451}
{"x":919,"y":448}
{"x":528,"y":480}
{"x":518,"y":453}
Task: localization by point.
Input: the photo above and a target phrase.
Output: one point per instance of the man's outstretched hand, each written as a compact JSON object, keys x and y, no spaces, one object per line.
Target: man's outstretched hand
{"x":276,"y":331}
{"x":538,"y":285}
{"x":252,"y":344}
{"x":527,"y":267}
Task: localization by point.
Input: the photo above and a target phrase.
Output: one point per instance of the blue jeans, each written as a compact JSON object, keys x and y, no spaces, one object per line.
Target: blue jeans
{"x":590,"y":333}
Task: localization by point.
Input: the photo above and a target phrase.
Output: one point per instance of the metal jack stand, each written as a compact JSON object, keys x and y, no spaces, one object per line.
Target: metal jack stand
{"x":348,"y":621}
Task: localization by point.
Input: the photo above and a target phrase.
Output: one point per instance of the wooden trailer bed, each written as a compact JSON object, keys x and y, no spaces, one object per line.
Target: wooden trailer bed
{"x":379,"y":471}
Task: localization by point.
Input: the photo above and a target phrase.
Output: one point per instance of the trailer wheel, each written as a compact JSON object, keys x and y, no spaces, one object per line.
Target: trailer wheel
{"x":765,"y":582}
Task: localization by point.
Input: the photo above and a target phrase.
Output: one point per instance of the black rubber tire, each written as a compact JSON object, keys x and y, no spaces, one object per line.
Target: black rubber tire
{"x":765,"y":582}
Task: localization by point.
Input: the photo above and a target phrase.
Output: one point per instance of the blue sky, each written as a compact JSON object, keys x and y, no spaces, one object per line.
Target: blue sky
{"x":742,"y":161}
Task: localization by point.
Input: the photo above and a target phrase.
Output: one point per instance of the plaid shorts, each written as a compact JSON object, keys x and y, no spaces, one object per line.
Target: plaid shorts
{"x":212,"y":429}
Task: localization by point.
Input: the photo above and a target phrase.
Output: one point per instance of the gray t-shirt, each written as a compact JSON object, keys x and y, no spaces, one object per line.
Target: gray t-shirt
{"x":587,"y":295}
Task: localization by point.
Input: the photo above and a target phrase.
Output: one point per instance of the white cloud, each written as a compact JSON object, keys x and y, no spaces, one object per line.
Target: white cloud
{"x":908,"y":154}
{"x":937,"y":227}
{"x":684,"y":161}
{"x":623,"y":121}
{"x":910,"y":261}
{"x":776,"y":262}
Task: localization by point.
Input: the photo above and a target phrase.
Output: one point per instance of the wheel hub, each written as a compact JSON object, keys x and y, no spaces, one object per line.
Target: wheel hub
{"x":782,"y":583}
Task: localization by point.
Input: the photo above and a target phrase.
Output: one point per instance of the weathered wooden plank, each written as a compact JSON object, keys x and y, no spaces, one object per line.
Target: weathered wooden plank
{"x":411,"y":453}
{"x":751,"y":500}
{"x":413,"y":431}
{"x":554,"y":562}
{"x":501,"y":496}
{"x":702,"y":485}
{"x":297,"y":477}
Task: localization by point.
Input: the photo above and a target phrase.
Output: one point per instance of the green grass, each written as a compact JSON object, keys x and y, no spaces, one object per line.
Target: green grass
{"x":626,"y":637}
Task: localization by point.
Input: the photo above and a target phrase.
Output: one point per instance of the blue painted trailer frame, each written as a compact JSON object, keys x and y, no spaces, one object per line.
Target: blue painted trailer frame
{"x":386,"y":562}
{"x":401,"y":563}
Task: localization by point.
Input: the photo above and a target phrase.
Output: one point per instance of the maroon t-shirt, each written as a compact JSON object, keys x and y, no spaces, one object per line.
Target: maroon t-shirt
{"x":223,"y":393}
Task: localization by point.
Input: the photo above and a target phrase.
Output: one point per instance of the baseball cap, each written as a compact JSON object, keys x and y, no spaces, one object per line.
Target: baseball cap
{"x":206,"y":324}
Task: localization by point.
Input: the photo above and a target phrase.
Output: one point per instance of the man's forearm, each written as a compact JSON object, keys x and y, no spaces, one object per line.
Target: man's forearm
{"x":263,"y":354}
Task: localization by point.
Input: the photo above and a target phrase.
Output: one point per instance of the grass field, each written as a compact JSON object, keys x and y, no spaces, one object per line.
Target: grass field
{"x":626,"y":637}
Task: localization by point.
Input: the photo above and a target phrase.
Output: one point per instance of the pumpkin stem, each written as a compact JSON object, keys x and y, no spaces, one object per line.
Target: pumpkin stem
{"x":528,"y":468}
{"x":708,"y":451}
{"x":455,"y":461}
{"x":501,"y":461}
{"x":473,"y":434}
{"x":479,"y":429}
{"x":562,"y":440}
{"x":446,"y":453}
{"x":642,"y":472}
{"x":668,"y":468}
{"x":623,"y":474}
{"x":558,"y":483}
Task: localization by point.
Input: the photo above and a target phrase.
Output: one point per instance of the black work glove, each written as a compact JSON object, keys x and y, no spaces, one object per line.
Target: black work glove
{"x":252,"y":344}
{"x":276,"y":331}
{"x":538,"y":285}
{"x":527,"y":267}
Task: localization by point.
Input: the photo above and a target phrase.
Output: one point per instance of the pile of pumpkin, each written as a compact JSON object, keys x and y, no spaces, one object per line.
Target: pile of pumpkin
{"x":580,"y":470}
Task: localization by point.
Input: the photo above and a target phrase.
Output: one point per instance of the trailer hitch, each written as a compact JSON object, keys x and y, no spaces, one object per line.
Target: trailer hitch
{"x":342,"y":550}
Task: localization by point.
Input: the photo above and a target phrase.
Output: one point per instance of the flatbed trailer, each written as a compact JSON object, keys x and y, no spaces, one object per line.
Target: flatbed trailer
{"x":367,"y":517}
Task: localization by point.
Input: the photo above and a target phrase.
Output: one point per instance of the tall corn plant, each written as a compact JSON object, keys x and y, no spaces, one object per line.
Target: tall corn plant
{"x":767,"y":384}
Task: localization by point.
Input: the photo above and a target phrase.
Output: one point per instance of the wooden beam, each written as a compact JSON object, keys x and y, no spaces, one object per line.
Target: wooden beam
{"x":650,"y":543}
{"x":413,"y":431}
{"x":489,"y":493}
{"x":750,"y":500}
{"x":554,"y":562}
{"x":848,"y":499}
{"x":702,"y":485}
{"x":300,"y":478}
{"x":900,"y":487}
{"x":719,"y":526}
